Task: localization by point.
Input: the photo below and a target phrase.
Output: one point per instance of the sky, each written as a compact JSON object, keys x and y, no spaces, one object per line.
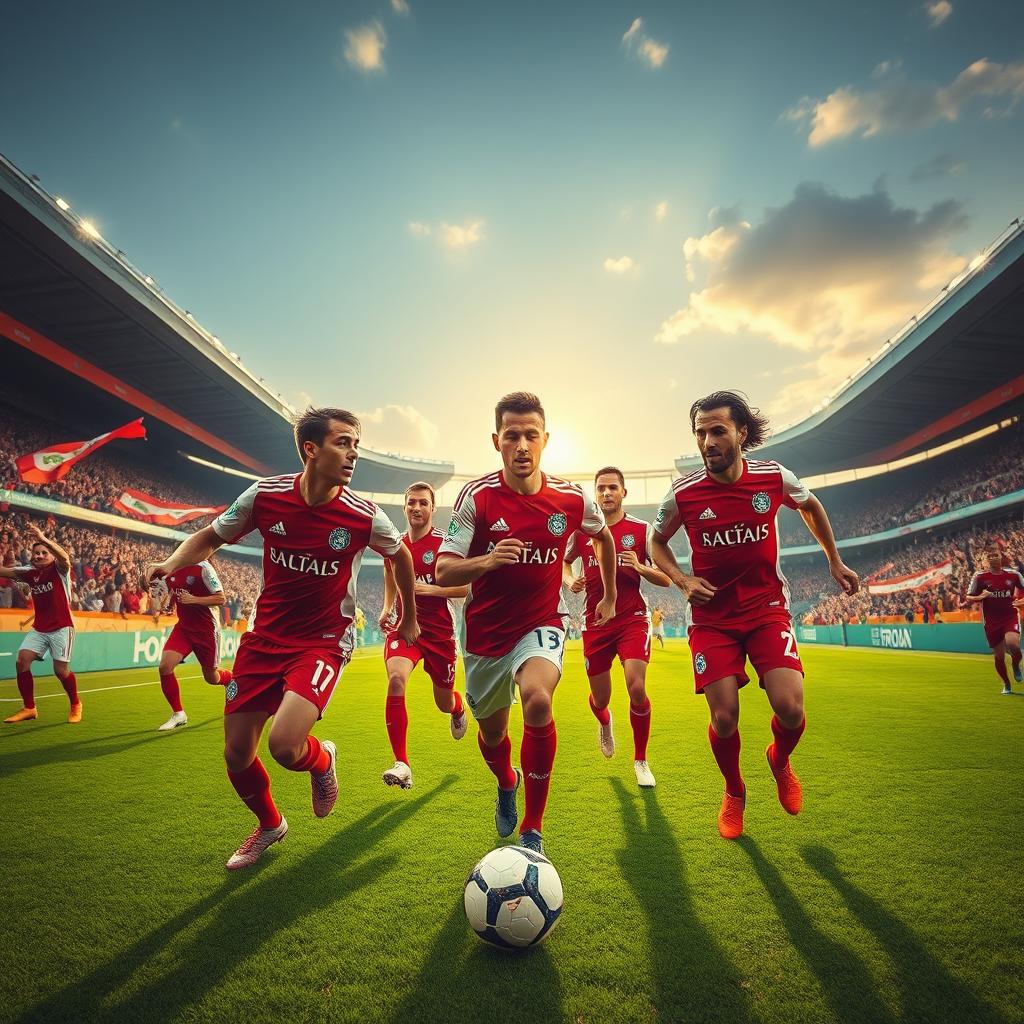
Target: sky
{"x":409,"y":208}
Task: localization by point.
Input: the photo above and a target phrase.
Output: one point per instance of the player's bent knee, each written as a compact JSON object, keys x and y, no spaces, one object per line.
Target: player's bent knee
{"x":537,"y":707}
{"x":284,"y":750}
{"x":396,"y":685}
{"x":725,"y":722}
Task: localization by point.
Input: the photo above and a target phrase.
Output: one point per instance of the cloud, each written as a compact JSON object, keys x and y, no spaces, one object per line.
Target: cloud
{"x":886,"y":67}
{"x":642,"y":46}
{"x":399,"y":428}
{"x":364,"y":46}
{"x":826,"y":275}
{"x":900,"y":104}
{"x":400,"y":6}
{"x":661,"y":211}
{"x":937,"y":166}
{"x":622,"y":265}
{"x":938,"y":11}
{"x":418,"y":230}
{"x":461,"y":236}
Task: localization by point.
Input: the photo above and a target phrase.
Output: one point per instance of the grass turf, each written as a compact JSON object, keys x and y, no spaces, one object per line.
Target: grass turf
{"x":894,"y":896}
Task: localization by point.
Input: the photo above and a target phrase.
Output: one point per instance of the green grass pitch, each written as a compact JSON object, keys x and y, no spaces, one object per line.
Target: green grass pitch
{"x":894,"y":896}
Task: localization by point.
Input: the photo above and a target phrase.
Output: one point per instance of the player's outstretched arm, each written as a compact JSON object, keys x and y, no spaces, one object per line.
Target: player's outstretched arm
{"x":13,"y":572}
{"x":694,"y":588}
{"x":405,"y":581}
{"x":455,"y":571}
{"x":197,"y":548}
{"x":816,"y":519}
{"x":604,"y":548}
{"x":62,"y":558}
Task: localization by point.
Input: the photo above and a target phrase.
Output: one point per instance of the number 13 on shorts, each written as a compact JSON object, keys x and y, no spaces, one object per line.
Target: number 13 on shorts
{"x":551,"y":641}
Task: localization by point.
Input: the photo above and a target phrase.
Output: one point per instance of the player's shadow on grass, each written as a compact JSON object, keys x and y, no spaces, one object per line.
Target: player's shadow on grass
{"x":76,"y":751}
{"x":243,"y":921}
{"x":464,"y":979}
{"x":847,"y":984}
{"x":927,"y":990}
{"x":690,"y":972}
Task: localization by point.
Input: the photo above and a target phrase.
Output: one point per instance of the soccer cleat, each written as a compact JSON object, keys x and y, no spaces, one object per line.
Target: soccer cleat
{"x":1007,"y":692}
{"x":791,"y":795}
{"x":1017,"y":675}
{"x":75,"y":713}
{"x":399,"y":774}
{"x":532,"y":841}
{"x":253,"y":848}
{"x":459,"y":724}
{"x":178,"y":718}
{"x":605,"y":736}
{"x":24,"y":715}
{"x":325,"y":785}
{"x":506,"y":815}
{"x":644,"y":775}
{"x":730,"y":817}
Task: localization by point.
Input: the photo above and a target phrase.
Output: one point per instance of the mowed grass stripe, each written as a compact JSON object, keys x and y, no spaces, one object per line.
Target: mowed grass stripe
{"x":894,"y":896}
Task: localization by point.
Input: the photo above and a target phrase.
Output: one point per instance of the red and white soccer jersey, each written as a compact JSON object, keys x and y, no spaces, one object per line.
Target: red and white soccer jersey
{"x":435,"y":645}
{"x":311,"y":556}
{"x":734,"y":545}
{"x":504,"y":605}
{"x":997,"y":611}
{"x":51,"y":598}
{"x":196,"y":628}
{"x":628,"y":634}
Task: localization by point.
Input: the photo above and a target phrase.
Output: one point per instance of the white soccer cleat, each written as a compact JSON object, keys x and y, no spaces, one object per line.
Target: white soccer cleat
{"x":459,"y":724}
{"x":399,"y":774}
{"x":644,"y":775}
{"x":1007,"y":691}
{"x":253,"y":848}
{"x":177,"y":719}
{"x":325,"y":785}
{"x":606,"y":737}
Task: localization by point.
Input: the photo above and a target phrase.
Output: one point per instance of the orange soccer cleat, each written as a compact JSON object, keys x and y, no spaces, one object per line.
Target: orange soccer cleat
{"x":24,"y":715}
{"x":791,"y":795}
{"x":75,"y":713}
{"x":730,"y":817}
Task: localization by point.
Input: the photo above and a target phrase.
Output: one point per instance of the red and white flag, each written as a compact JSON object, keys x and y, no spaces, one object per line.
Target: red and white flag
{"x":54,"y":463}
{"x":914,"y":581}
{"x":162,"y":513}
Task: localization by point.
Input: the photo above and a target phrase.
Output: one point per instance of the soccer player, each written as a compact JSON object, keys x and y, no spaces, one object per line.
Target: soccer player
{"x":314,"y":533}
{"x":53,"y":631}
{"x":194,"y":591}
{"x":436,"y":644}
{"x":994,"y":590}
{"x":658,"y":626}
{"x":507,"y":540}
{"x":628,"y":634}
{"x":738,"y":599}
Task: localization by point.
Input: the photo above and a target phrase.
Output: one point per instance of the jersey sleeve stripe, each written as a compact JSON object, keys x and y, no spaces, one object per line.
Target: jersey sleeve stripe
{"x":360,"y":507}
{"x":361,"y":503}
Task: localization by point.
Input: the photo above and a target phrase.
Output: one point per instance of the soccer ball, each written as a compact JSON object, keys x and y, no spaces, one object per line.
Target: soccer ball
{"x":513,"y":897}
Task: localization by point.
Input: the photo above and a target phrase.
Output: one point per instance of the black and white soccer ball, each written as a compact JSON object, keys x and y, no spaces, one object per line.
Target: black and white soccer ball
{"x":513,"y":897}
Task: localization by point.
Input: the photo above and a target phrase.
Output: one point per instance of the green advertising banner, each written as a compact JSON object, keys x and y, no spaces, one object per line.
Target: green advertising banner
{"x":955,"y":637}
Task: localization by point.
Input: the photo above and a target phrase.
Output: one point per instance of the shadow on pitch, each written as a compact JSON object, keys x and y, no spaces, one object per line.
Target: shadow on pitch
{"x":927,"y":990}
{"x":687,"y":967}
{"x":249,"y":910}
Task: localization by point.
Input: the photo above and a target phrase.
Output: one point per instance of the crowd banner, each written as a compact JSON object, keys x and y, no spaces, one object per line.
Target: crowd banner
{"x":162,"y":513}
{"x":913,"y":581}
{"x":952,"y":637}
{"x":54,"y":462}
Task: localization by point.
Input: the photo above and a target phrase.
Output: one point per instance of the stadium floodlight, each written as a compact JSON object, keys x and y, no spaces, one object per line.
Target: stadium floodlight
{"x":978,"y":261}
{"x":216,"y":465}
{"x":62,"y":203}
{"x":89,"y":228}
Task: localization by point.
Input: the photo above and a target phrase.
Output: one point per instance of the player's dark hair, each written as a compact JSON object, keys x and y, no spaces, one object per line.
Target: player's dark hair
{"x":521,"y":402}
{"x":39,"y":544}
{"x":315,"y":424}
{"x":611,"y":469}
{"x":422,"y":485}
{"x":743,"y":415}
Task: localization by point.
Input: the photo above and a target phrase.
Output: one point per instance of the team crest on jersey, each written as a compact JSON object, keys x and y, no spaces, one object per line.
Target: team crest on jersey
{"x":761,"y":502}
{"x":231,"y":690}
{"x":557,"y":523}
{"x":190,"y":580}
{"x":232,"y":510}
{"x":700,"y":664}
{"x":629,"y":541}
{"x":453,"y":527}
{"x":660,"y":517}
{"x":428,"y":557}
{"x":394,"y":645}
{"x":340,"y":538}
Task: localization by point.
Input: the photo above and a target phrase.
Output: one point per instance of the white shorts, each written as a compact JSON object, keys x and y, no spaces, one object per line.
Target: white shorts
{"x":491,"y":682}
{"x":57,"y":644}
{"x":658,"y":631}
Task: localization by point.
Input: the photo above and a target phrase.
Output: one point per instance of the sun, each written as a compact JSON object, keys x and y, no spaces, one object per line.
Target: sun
{"x":563,"y":453}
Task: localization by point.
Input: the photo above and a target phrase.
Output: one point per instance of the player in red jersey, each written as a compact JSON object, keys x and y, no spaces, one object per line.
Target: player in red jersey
{"x":436,"y":644}
{"x":195,"y":592}
{"x":53,"y":631}
{"x":738,"y":599}
{"x":995,"y":590}
{"x":314,"y":531}
{"x":507,"y":540}
{"x":628,"y":634}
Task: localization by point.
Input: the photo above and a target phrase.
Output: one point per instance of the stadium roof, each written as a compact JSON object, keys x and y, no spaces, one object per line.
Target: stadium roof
{"x":75,"y":301}
{"x":957,"y":366}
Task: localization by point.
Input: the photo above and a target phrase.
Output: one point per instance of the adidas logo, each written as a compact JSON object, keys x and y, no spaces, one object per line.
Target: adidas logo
{"x":500,"y":526}
{"x":708,"y":514}
{"x":279,"y":529}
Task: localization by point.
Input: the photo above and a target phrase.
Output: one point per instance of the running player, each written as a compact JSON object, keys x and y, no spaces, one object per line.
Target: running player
{"x":738,"y":599}
{"x":507,"y":540}
{"x":53,"y":631}
{"x":314,"y":531}
{"x":436,"y":644}
{"x":194,"y":591}
{"x":628,"y":635}
{"x":658,"y":626}
{"x":994,"y":590}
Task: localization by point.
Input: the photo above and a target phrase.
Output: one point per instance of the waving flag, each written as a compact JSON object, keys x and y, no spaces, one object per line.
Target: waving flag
{"x":915,"y":581}
{"x":54,"y":463}
{"x":162,"y":513}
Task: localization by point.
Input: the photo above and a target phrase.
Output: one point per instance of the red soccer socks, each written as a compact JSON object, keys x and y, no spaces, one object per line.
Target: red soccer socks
{"x":727,"y":754}
{"x":538,"y":758}
{"x":640,"y":722}
{"x":252,"y":784}
{"x":171,"y":690}
{"x":396,"y":719}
